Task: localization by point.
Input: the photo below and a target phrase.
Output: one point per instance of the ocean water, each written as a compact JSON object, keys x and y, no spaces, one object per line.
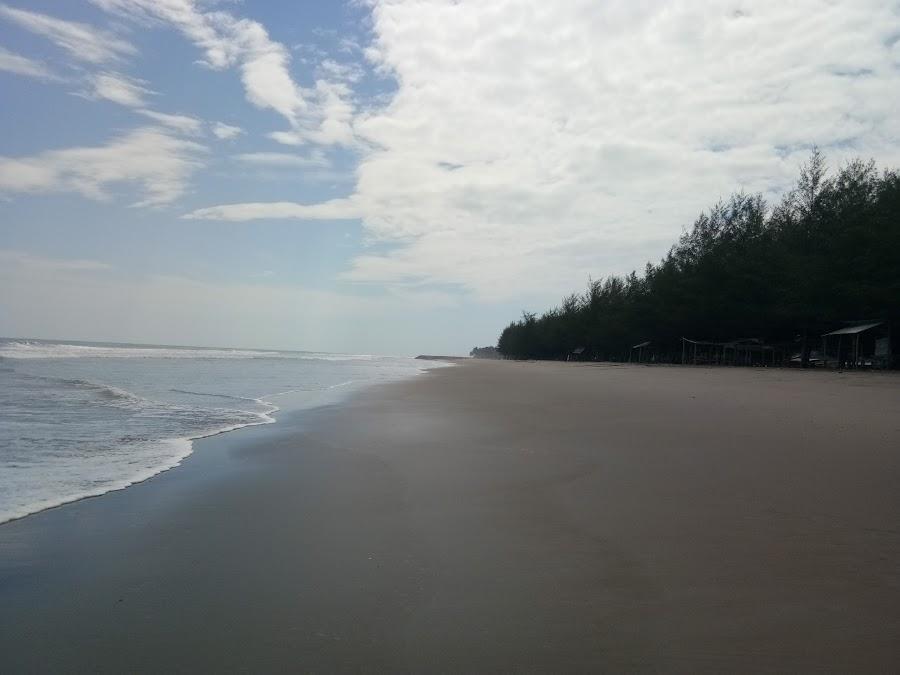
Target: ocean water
{"x":82,"y":419}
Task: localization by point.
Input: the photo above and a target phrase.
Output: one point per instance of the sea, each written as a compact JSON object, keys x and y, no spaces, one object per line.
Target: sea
{"x":80,"y":419}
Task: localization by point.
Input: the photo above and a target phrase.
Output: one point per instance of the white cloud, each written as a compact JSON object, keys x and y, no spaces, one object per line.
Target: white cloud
{"x":157,"y":164}
{"x":349,"y":45}
{"x":321,"y":114}
{"x":294,"y":138}
{"x":82,"y":41}
{"x":119,"y":89}
{"x":335,"y":209}
{"x":346,"y":72}
{"x":131,"y":93}
{"x":183,"y":123}
{"x":226,"y":132}
{"x":530,"y":144}
{"x":284,"y":160}
{"x":336,"y":125}
{"x":17,"y":64}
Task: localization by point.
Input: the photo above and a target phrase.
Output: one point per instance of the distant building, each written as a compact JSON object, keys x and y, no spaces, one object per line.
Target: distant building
{"x":736,"y":352}
{"x":861,"y":345}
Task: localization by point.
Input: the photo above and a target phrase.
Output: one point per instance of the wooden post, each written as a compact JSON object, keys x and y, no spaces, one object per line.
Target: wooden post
{"x":890,"y":351}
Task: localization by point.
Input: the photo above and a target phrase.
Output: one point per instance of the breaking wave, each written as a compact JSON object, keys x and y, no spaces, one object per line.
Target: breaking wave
{"x":24,"y":349}
{"x":80,"y":420}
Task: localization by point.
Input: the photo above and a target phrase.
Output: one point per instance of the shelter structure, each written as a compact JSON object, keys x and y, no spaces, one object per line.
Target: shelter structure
{"x":863,"y":345}
{"x":576,"y":354}
{"x":641,"y":347}
{"x":738,"y":352}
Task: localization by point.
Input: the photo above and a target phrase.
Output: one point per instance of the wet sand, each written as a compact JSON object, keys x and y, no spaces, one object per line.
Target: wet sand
{"x":493,"y":517}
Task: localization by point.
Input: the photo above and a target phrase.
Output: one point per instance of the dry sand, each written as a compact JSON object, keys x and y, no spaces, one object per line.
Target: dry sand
{"x":494,"y":517}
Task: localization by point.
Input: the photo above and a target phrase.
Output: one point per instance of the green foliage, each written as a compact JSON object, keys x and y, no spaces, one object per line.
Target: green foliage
{"x":828,"y":252}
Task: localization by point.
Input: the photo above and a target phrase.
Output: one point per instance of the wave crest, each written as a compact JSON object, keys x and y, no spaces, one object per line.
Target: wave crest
{"x":25,"y":349}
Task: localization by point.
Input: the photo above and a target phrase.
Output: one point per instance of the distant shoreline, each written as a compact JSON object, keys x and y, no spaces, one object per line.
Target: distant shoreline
{"x":431,"y":357}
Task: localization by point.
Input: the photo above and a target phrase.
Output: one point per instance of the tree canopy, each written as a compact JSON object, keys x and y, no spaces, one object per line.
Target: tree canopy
{"x":828,"y":252}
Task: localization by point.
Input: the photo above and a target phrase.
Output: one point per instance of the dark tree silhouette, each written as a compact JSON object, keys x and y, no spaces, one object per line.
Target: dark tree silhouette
{"x":828,"y":252}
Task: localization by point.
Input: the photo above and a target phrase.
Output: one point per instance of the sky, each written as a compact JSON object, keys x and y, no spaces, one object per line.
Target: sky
{"x":397,"y":176}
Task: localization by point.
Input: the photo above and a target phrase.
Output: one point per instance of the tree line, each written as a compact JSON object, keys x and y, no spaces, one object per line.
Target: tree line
{"x":828,"y":252}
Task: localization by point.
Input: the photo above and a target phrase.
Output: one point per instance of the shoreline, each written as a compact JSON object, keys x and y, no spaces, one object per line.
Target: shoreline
{"x":266,"y":417}
{"x":130,"y":482}
{"x":497,"y":516}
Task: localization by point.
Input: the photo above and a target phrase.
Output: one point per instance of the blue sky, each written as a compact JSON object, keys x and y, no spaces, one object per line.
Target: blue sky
{"x":395,"y":176}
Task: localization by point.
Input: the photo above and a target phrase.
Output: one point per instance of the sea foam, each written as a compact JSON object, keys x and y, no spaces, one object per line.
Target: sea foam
{"x":80,"y":420}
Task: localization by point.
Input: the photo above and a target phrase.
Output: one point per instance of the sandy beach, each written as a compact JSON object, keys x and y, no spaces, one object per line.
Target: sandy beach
{"x":493,"y":517}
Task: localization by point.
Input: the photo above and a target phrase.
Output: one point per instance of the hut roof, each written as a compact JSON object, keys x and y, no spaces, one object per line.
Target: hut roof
{"x":853,"y":330}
